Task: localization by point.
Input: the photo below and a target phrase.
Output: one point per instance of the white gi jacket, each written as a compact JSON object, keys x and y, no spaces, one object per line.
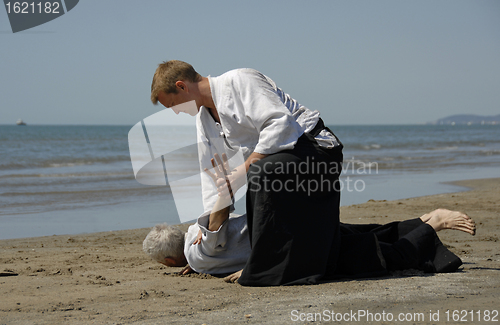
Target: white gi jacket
{"x":223,"y":251}
{"x":255,"y":116}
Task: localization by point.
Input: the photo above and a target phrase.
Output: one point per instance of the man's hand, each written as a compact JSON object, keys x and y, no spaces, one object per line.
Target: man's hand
{"x":220,"y":210}
{"x":187,"y":270}
{"x":198,"y":238}
{"x":233,"y":277}
{"x":221,"y":176}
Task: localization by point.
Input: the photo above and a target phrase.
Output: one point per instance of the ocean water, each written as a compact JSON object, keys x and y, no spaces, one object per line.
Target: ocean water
{"x":79,"y":179}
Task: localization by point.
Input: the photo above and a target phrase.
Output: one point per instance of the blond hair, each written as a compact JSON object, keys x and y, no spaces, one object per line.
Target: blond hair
{"x":168,"y":73}
{"x":164,"y":241}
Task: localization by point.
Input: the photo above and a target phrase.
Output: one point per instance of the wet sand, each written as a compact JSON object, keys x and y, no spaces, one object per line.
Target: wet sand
{"x":105,"y":278}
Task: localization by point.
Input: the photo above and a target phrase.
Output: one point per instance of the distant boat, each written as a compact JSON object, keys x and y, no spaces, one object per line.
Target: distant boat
{"x":20,"y":122}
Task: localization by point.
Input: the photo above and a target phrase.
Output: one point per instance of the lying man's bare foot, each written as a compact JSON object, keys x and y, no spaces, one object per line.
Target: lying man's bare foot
{"x":233,"y":277}
{"x":446,"y":219}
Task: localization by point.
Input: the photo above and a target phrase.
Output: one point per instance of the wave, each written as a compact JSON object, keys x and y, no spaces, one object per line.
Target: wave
{"x":34,"y":162}
{"x":370,"y":146}
{"x":489,"y":152}
{"x":69,"y":164}
{"x":447,"y":148}
{"x":60,"y":163}
{"x":83,"y":194}
{"x":71,"y":175}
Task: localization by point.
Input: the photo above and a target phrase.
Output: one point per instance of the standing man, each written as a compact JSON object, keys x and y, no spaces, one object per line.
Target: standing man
{"x":292,"y":162}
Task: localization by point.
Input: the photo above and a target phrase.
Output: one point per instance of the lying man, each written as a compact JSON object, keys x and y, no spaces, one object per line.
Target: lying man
{"x":216,"y":244}
{"x":219,"y":244}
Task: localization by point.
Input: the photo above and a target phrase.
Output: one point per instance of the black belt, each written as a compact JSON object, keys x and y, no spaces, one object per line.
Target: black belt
{"x":320,"y":126}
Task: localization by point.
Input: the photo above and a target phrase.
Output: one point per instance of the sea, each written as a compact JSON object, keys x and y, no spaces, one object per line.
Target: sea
{"x":79,"y":179}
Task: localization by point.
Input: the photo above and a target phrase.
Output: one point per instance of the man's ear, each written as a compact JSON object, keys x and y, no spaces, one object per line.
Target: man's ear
{"x":181,"y":85}
{"x":170,"y":261}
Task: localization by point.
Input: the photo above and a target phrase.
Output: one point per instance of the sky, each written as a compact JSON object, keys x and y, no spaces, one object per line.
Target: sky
{"x":357,"y":62}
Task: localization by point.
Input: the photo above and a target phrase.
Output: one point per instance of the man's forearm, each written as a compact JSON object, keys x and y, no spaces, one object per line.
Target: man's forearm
{"x":219,"y":214}
{"x":220,"y":211}
{"x":237,"y":179}
{"x":254,"y":157}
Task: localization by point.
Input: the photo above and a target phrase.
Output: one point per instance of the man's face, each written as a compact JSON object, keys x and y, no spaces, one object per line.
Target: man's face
{"x":169,"y":262}
{"x":182,"y":96}
{"x":175,"y":261}
{"x":170,"y":100}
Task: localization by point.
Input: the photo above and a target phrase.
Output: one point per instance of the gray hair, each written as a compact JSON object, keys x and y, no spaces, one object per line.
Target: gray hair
{"x":164,"y":241}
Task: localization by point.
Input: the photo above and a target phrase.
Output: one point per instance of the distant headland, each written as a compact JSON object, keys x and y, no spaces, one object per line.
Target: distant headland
{"x":467,"y":119}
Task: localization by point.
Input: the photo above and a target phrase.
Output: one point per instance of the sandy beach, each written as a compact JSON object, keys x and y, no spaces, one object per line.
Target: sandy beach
{"x":105,"y":278}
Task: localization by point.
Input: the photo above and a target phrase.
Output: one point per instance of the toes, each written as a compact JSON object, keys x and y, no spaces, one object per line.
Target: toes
{"x":471,"y":225}
{"x":464,"y":225}
{"x":468,"y":230}
{"x":473,"y":229}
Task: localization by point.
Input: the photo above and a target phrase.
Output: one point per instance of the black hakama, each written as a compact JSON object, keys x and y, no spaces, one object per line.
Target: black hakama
{"x":295,"y":232}
{"x":293,"y":200}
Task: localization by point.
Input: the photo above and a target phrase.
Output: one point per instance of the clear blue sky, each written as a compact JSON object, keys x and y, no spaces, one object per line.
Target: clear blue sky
{"x":357,"y":62}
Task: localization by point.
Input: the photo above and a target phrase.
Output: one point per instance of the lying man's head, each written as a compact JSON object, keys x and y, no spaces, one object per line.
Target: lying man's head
{"x":165,"y":244}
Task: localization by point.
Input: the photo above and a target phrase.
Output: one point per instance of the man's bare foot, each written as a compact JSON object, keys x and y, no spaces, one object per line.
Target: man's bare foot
{"x":233,"y":277}
{"x":446,"y":219}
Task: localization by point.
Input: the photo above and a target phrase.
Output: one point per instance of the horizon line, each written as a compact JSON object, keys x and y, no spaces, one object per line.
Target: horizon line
{"x":194,"y":125}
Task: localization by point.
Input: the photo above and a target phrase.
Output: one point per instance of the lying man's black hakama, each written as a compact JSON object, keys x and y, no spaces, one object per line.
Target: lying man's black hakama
{"x":295,"y":232}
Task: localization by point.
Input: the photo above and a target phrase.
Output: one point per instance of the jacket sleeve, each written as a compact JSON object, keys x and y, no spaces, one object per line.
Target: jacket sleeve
{"x":261,"y":103}
{"x":209,"y":142}
{"x":212,"y":241}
